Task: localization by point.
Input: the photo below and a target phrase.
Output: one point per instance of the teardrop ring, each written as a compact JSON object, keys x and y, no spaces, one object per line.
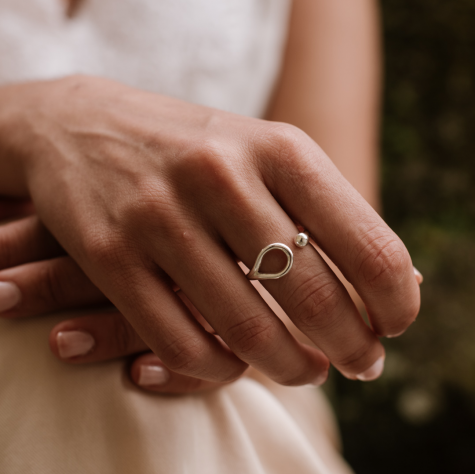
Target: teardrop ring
{"x":300,"y":240}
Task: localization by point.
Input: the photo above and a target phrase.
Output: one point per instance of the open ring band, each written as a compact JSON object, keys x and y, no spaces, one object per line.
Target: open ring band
{"x":300,"y":240}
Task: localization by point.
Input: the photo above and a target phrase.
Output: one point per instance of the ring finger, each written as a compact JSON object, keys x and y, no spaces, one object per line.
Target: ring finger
{"x":232,"y":306}
{"x":311,"y":294}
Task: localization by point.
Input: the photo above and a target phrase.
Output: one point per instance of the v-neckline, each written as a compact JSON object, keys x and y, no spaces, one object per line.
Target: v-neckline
{"x":70,"y":7}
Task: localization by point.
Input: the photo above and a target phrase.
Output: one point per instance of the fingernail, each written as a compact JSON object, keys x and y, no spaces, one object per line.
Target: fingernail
{"x":390,"y":336}
{"x":74,"y":343}
{"x":153,"y":376}
{"x":10,"y":296}
{"x":418,"y":274}
{"x":321,"y":379}
{"x":373,"y":372}
{"x":348,"y":376}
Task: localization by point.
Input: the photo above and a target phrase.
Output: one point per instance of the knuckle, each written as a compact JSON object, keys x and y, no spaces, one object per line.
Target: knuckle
{"x":290,"y":156}
{"x":316,"y":302}
{"x":208,"y":167}
{"x":384,"y":264}
{"x":287,"y":144}
{"x":106,"y":250}
{"x":97,"y":246}
{"x":251,"y":336}
{"x":151,"y":207}
{"x":156,"y":211}
{"x":204,"y":155}
{"x":184,"y":355}
{"x":354,"y":359}
{"x":210,"y":154}
{"x":285,"y":137}
{"x":150,"y":199}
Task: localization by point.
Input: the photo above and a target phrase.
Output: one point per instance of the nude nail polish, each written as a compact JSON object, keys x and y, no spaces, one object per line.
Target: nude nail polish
{"x":349,"y":376}
{"x":320,"y":379}
{"x":390,"y":336}
{"x":373,"y":372}
{"x":10,"y":296}
{"x":418,"y":275}
{"x":74,"y":344}
{"x":153,"y":376}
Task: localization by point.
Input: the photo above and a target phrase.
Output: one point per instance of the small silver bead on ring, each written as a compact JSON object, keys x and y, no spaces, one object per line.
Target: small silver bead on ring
{"x":301,"y":240}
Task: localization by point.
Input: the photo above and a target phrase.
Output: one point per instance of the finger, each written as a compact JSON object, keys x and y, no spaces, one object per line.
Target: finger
{"x":41,"y":287}
{"x":25,"y":241}
{"x":163,"y":321}
{"x":94,"y":338}
{"x":311,"y":189}
{"x":149,"y":373}
{"x":102,"y":336}
{"x":311,"y":294}
{"x":107,"y":336}
{"x":235,"y":310}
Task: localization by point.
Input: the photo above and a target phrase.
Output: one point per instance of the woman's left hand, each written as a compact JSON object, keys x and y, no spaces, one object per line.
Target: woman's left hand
{"x":37,"y":276}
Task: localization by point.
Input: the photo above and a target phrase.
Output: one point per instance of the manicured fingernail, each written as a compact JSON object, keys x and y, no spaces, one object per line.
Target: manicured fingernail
{"x":10,"y":296}
{"x":418,"y":274}
{"x":153,"y":376}
{"x":74,"y":343}
{"x":373,"y":372}
{"x":396,"y":335}
{"x":321,"y":379}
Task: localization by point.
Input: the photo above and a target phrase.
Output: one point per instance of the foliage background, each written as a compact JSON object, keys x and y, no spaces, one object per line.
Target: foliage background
{"x":420,"y":416}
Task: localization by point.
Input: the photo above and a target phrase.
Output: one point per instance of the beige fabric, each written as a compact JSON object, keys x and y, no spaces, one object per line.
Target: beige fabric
{"x":59,"y":419}
{"x":55,"y":418}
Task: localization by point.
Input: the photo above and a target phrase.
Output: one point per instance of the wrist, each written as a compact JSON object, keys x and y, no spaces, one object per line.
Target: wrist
{"x":27,"y":129}
{"x":16,"y":110}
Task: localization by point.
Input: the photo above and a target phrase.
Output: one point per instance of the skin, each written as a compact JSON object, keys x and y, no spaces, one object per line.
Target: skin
{"x":185,"y":190}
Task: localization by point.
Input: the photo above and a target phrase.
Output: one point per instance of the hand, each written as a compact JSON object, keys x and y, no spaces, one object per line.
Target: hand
{"x":36,"y":276}
{"x":143,"y":190}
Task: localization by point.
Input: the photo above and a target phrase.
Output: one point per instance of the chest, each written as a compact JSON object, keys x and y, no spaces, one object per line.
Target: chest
{"x":183,"y":48}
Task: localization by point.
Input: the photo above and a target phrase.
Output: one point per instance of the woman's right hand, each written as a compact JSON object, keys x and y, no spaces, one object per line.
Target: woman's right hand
{"x":143,"y":190}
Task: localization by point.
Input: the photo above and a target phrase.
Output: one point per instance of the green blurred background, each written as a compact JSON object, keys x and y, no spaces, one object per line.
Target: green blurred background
{"x":420,"y":416}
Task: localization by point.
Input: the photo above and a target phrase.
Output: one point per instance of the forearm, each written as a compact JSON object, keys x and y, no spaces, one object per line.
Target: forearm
{"x":330,"y":85}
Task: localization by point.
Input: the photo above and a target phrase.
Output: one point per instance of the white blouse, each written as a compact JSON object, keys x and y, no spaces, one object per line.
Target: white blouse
{"x":221,"y":53}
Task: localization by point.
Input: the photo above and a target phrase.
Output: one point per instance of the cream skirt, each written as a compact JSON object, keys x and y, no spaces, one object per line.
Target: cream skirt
{"x":57,"y":418}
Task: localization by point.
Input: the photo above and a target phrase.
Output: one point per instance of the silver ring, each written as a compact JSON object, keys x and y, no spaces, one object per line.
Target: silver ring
{"x":300,"y":240}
